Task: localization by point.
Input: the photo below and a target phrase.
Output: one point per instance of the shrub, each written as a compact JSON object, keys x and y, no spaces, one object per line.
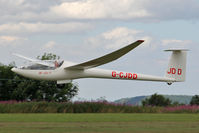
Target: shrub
{"x":156,"y":100}
{"x":195,"y":100}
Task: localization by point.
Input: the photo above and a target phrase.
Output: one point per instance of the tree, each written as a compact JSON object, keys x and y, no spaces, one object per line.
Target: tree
{"x":48,"y":56}
{"x":6,"y":76}
{"x":195,"y":100}
{"x":15,"y":87}
{"x":156,"y":100}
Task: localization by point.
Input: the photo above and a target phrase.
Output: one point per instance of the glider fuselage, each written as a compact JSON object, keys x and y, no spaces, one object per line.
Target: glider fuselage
{"x":61,"y":74}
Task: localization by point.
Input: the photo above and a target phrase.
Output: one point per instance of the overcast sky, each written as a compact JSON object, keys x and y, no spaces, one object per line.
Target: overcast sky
{"x":80,"y":30}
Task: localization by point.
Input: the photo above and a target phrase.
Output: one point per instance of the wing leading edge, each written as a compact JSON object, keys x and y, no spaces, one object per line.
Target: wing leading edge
{"x":106,"y":58}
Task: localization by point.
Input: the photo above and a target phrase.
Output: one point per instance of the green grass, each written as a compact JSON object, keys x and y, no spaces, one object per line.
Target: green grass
{"x":99,"y":123}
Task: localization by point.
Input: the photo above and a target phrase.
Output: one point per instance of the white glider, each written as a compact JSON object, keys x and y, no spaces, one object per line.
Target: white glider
{"x":65,"y":72}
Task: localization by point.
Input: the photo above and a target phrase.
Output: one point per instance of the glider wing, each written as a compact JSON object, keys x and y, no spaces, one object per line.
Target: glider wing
{"x":106,"y":58}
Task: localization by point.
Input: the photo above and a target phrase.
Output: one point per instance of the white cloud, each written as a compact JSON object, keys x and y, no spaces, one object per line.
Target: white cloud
{"x":119,"y":37}
{"x":127,"y":9}
{"x":10,"y":40}
{"x":120,"y":32}
{"x":101,"y":9}
{"x":65,"y":10}
{"x":44,"y":27}
{"x":49,"y":45}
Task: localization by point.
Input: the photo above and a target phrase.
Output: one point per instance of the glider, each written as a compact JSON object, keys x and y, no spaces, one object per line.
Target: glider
{"x":64,"y":71}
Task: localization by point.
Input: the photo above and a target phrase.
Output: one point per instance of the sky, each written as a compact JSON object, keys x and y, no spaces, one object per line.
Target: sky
{"x":81,"y":30}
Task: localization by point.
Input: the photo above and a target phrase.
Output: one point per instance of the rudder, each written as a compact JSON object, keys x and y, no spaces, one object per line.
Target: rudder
{"x":177,"y":65}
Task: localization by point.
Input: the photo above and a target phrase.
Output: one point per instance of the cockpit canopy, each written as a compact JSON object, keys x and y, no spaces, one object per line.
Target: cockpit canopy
{"x":36,"y":66}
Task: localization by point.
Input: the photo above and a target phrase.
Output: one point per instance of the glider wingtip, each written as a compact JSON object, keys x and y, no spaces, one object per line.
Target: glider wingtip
{"x":140,"y":40}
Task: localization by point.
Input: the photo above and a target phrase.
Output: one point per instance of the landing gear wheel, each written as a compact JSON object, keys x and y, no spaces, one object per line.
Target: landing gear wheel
{"x":169,"y":83}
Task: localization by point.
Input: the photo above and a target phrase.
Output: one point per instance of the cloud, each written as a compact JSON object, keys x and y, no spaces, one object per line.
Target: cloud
{"x":10,"y":40}
{"x":12,"y":8}
{"x":173,"y":9}
{"x":128,"y":9}
{"x":49,"y":45}
{"x":43,"y":27}
{"x":118,"y":37}
{"x":100,"y":9}
{"x":122,"y":36}
{"x":67,"y":10}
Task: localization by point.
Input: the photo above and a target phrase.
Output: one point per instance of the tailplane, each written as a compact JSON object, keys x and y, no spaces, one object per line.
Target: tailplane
{"x":177,"y":65}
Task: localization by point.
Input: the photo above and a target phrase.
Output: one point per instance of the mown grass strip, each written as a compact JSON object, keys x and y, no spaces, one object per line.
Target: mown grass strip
{"x":99,"y":123}
{"x":107,"y":117}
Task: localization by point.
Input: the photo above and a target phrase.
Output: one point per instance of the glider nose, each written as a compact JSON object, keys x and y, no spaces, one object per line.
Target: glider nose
{"x":14,"y":69}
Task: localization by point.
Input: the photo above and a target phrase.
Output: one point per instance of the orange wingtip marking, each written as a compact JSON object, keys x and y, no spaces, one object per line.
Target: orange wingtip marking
{"x":140,"y":40}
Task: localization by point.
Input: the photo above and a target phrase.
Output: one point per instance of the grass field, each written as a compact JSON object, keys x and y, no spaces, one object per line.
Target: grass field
{"x":99,"y":123}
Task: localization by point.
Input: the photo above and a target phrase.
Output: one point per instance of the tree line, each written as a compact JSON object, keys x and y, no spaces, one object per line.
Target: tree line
{"x":160,"y":100}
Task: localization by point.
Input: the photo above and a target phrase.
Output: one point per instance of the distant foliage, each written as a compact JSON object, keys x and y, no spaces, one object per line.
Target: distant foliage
{"x":195,"y":100}
{"x":176,"y":100}
{"x":156,"y":100}
{"x":48,"y":56}
{"x":15,"y":87}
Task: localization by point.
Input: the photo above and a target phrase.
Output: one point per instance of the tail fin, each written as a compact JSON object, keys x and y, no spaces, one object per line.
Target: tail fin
{"x":177,"y":65}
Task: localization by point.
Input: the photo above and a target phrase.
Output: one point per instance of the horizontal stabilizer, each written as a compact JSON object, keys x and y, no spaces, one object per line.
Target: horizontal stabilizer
{"x":177,"y":50}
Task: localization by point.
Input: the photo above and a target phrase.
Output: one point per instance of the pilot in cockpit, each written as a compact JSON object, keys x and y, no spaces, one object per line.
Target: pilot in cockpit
{"x":58,"y":64}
